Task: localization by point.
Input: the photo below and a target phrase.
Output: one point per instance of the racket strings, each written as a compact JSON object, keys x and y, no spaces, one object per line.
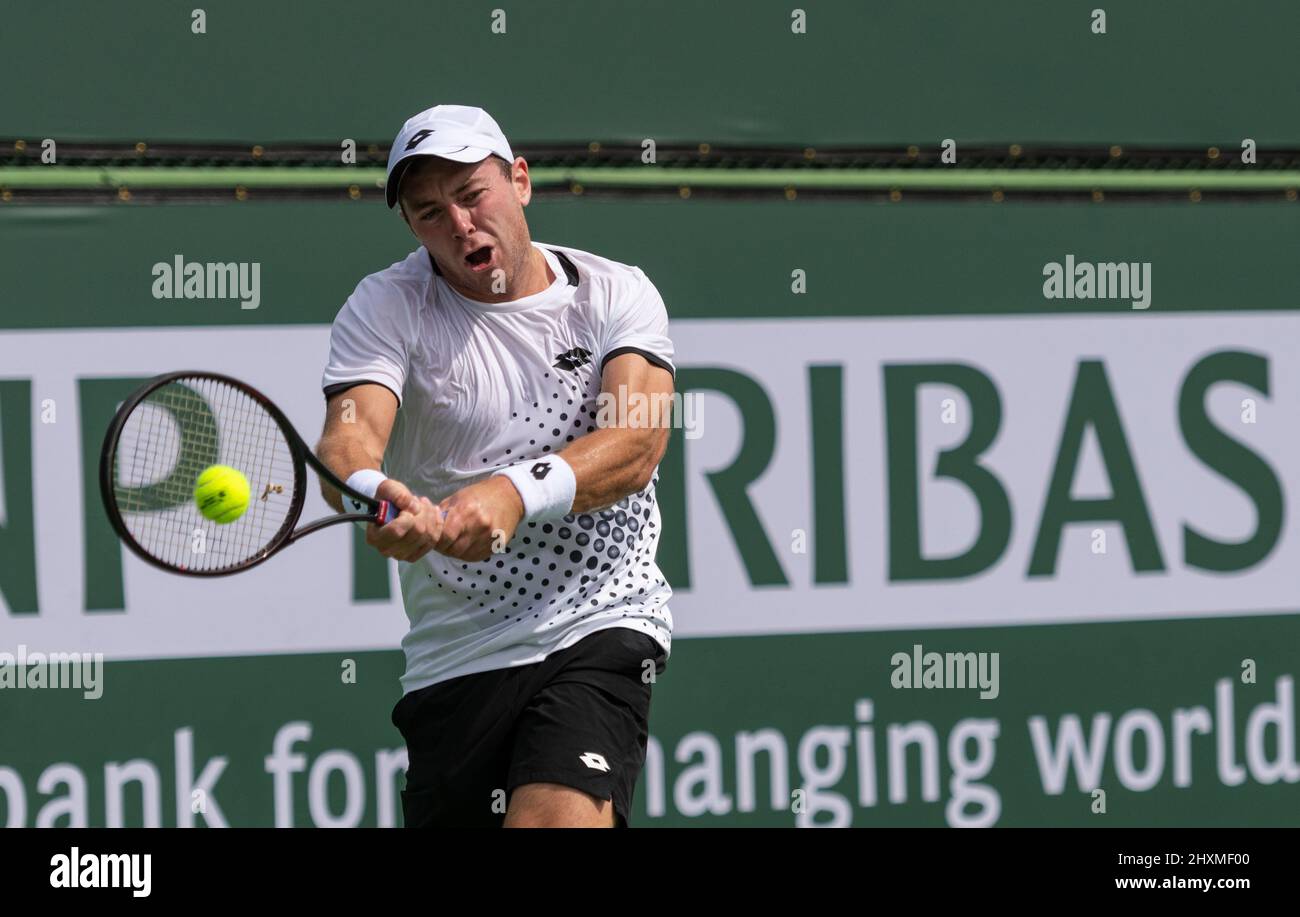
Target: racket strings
{"x":172,"y":436}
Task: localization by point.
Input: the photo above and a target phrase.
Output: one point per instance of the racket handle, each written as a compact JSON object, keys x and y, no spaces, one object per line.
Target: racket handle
{"x":386,"y":513}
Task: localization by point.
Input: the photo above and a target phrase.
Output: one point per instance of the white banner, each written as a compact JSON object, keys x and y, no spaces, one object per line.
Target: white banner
{"x":299,"y":600}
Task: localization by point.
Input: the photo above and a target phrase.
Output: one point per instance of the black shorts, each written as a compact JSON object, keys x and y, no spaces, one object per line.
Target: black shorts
{"x":577,"y":718}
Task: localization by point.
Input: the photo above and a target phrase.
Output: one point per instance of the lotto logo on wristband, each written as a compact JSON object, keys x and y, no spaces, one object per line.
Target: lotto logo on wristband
{"x":546,"y":487}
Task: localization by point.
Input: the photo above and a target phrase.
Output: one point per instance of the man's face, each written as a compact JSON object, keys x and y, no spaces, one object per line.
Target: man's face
{"x":470,"y":217}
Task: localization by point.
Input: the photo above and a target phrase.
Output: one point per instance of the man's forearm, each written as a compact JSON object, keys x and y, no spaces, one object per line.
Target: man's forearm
{"x":611,"y":463}
{"x":343,"y":457}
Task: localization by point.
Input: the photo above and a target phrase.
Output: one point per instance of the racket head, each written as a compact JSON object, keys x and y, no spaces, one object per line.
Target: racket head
{"x":169,"y":431}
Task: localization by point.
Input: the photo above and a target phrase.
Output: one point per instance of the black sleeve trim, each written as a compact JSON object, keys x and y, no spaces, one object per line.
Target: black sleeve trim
{"x":332,"y":390}
{"x":649,"y":357}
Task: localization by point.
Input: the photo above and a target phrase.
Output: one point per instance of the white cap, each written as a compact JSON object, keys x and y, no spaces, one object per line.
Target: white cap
{"x":460,"y":133}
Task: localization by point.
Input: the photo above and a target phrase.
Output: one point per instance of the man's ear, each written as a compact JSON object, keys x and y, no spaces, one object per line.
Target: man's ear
{"x":522,"y":181}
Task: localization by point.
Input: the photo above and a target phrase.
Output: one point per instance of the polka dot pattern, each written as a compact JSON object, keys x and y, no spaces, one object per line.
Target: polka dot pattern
{"x":607,"y":555}
{"x":615,"y":569}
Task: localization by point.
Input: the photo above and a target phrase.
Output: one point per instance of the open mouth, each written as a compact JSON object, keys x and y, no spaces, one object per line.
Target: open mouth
{"x":479,"y":258}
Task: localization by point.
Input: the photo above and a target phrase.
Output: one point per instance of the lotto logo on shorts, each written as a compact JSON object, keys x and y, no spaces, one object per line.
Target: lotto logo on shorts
{"x":594,"y":761}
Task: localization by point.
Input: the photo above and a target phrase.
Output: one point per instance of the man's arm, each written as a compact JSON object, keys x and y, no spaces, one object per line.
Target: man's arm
{"x":358,"y":422}
{"x":608,"y":464}
{"x":611,"y":462}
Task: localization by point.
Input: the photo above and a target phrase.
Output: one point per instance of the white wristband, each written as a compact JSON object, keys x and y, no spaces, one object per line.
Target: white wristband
{"x":546,"y":485}
{"x":366,"y":481}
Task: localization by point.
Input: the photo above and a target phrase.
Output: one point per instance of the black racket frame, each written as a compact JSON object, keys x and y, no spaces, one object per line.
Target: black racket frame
{"x":301,"y":454}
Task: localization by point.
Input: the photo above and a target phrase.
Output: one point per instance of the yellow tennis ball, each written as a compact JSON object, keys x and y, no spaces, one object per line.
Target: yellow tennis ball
{"x":221,"y":493}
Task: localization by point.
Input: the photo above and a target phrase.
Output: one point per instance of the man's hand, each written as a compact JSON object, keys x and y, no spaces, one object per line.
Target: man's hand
{"x":479,"y":517}
{"x":414,"y":533}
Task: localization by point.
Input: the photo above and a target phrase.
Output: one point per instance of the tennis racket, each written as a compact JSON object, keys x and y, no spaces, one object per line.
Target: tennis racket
{"x":174,"y":427}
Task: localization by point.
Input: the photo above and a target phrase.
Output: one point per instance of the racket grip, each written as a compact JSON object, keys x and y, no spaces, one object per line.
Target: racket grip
{"x":386,"y":513}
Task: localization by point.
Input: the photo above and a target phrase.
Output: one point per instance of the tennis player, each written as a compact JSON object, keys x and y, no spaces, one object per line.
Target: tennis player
{"x":463,"y":385}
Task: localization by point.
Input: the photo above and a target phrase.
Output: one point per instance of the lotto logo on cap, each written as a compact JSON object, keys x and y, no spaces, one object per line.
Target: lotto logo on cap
{"x":460,"y":133}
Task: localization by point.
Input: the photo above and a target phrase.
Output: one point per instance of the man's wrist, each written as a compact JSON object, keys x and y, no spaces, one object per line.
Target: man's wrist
{"x":508,"y":487}
{"x":366,"y":482}
{"x":546,"y":487}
